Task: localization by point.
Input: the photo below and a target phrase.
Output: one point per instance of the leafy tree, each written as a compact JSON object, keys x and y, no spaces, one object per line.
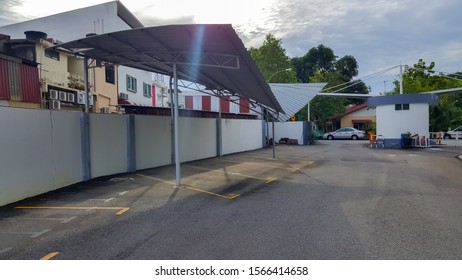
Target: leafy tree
{"x":321,"y":59}
{"x":347,"y":66}
{"x":422,"y":78}
{"x":272,"y":60}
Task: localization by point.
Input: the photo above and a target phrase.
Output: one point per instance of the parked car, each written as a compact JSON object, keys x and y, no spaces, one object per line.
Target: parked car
{"x":452,"y":134}
{"x":344,"y":133}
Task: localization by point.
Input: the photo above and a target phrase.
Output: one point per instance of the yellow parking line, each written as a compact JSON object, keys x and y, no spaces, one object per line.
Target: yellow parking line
{"x":269,"y":180}
{"x":120,"y":212}
{"x":233,"y":173}
{"x":259,"y":164}
{"x":49,"y":256}
{"x":157,"y":179}
{"x":229,"y":196}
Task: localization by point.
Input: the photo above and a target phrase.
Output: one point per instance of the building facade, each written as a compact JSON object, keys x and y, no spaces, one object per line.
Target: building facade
{"x":104,"y":80}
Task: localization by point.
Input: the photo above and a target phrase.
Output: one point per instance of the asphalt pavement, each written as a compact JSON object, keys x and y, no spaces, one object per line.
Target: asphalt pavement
{"x":333,"y":200}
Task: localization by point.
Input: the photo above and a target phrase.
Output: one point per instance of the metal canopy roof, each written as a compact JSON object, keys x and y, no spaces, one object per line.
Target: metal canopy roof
{"x":207,"y":54}
{"x":294,"y":97}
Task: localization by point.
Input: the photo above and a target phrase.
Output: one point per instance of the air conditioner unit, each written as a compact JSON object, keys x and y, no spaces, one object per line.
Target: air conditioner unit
{"x":55,"y":105}
{"x":123,"y":96}
{"x":71,"y":97}
{"x":80,"y":98}
{"x":54,"y":94}
{"x":104,"y":110}
{"x":90,"y":100}
{"x":63,"y":96}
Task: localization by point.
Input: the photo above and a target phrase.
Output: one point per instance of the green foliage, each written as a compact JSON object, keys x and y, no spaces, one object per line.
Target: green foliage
{"x":323,"y":109}
{"x":347,"y":66}
{"x":272,"y":60}
{"x":319,"y":59}
{"x":319,"y":64}
{"x":422,"y":78}
{"x":370,"y":127}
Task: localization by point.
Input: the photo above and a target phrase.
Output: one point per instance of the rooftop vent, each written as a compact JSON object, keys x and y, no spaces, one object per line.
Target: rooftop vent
{"x":35,"y":35}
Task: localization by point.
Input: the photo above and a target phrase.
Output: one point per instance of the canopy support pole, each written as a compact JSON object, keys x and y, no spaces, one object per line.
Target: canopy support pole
{"x":86,"y":154}
{"x":219,"y":131}
{"x":274,"y":139}
{"x":267,"y":128}
{"x":176,"y":128}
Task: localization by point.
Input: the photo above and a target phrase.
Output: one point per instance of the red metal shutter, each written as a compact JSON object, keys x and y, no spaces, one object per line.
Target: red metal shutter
{"x":244,"y":105}
{"x":4,"y":84}
{"x":30,"y":85}
{"x":188,"y":102}
{"x":224,"y":103}
{"x":206,"y":103}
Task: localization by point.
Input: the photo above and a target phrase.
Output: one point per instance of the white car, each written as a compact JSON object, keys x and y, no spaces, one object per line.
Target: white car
{"x":452,"y":134}
{"x":344,"y":133}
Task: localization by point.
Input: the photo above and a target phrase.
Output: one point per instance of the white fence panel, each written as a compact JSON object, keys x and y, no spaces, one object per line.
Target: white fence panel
{"x":198,"y":138}
{"x":40,"y":152}
{"x":291,"y":130}
{"x":153,"y":141}
{"x":66,"y":148}
{"x":241,"y":135}
{"x":108,"y":144}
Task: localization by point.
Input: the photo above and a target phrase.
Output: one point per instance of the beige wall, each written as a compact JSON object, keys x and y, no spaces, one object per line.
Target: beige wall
{"x":106,"y":92}
{"x":52,"y":71}
{"x":347,"y":121}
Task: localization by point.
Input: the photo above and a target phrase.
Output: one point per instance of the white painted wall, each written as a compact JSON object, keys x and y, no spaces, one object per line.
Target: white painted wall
{"x":108,"y":144}
{"x":141,"y":77}
{"x":66,"y":148}
{"x":198,"y":138}
{"x":391,"y":123}
{"x":152,"y":141}
{"x":291,"y":130}
{"x":40,"y":152}
{"x":41,"y":149}
{"x":241,"y":135}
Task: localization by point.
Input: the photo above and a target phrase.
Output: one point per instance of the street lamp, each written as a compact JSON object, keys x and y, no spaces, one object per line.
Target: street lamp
{"x":288,"y":69}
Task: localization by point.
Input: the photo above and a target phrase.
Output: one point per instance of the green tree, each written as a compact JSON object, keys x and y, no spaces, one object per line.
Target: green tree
{"x":347,"y":66}
{"x":320,"y":58}
{"x":422,"y":78}
{"x":272,"y":60}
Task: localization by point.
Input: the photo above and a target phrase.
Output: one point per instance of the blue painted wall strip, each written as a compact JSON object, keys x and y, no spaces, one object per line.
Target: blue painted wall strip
{"x":85,"y":146}
{"x":131,"y":143}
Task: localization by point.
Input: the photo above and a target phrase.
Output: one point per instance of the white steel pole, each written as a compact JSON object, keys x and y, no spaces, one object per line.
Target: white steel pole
{"x":176,"y":121}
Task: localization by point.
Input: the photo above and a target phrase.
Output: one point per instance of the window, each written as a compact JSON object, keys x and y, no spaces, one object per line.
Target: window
{"x":131,"y":83}
{"x":50,"y":53}
{"x":110,"y":74}
{"x":399,"y":107}
{"x":147,"y":90}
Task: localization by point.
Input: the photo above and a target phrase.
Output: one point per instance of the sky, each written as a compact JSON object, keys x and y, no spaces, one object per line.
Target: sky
{"x":380,"y":34}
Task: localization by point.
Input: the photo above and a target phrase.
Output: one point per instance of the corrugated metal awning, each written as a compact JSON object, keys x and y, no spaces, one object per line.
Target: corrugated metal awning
{"x":294,"y":97}
{"x":208,"y":54}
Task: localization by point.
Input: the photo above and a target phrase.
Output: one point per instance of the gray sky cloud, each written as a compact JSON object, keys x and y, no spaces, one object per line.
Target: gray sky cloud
{"x":379,"y":33}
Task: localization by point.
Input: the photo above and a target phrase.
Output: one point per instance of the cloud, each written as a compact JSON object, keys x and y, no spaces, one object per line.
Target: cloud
{"x":7,"y":14}
{"x":378,"y":33}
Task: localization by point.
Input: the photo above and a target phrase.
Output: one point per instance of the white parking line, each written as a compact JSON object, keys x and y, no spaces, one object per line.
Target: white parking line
{"x":32,"y":234}
{"x":37,"y":234}
{"x":63,"y":220}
